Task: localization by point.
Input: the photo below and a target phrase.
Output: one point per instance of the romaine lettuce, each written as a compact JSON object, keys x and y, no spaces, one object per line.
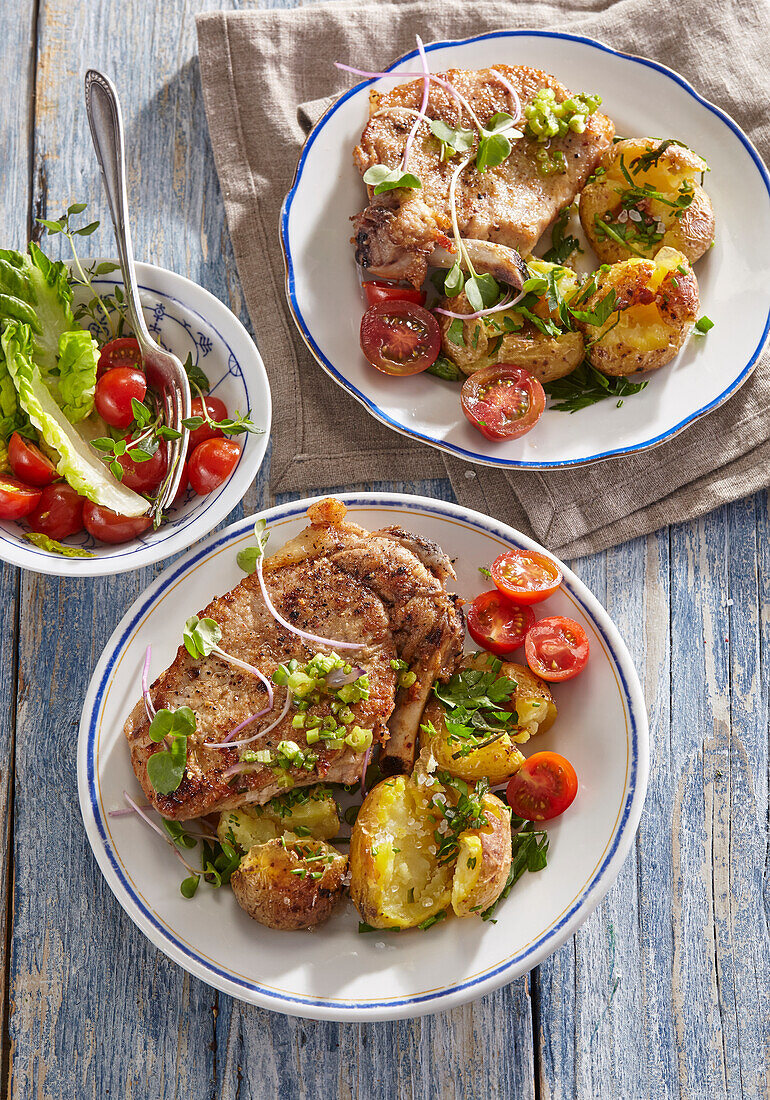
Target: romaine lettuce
{"x":79,"y":463}
{"x":35,"y":291}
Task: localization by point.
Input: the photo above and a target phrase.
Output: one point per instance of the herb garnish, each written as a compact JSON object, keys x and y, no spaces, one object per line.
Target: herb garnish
{"x":703,"y":325}
{"x":452,"y":141}
{"x":585,"y":386}
{"x":465,"y":811}
{"x":561,"y":247}
{"x":387,"y":179}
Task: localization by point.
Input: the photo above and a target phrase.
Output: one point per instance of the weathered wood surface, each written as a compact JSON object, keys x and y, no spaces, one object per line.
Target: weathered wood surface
{"x":664,"y":991}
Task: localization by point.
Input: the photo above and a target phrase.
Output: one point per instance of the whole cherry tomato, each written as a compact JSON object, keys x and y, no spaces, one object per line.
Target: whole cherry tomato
{"x":144,"y":477}
{"x":17,"y":500}
{"x":28,"y":462}
{"x":114,"y":392}
{"x":217,"y":410}
{"x":212,"y":463}
{"x":59,"y":512}
{"x":107,"y":526}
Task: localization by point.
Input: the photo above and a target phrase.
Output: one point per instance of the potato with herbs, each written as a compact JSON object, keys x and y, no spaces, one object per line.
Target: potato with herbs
{"x":510,"y":337}
{"x":646,"y":195}
{"x":452,"y":728}
{"x":655,"y":306}
{"x":483,"y":860}
{"x":290,"y":883}
{"x":396,"y":879}
{"x":306,"y":811}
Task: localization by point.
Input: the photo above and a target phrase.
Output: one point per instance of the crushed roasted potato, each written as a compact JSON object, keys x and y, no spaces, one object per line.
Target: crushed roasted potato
{"x":644,"y":196}
{"x":290,"y":883}
{"x":657,"y":304}
{"x":483,"y":861}
{"x":309,"y":811}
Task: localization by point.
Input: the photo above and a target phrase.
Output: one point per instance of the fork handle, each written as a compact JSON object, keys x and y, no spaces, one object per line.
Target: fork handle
{"x":106,"y":122}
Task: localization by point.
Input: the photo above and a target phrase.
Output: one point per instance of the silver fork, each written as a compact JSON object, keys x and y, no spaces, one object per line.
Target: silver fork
{"x":163,"y":370}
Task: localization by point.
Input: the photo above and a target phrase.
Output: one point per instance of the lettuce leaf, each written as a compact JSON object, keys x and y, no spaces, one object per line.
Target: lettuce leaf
{"x":35,"y":291}
{"x":79,"y":462}
{"x":78,"y":359}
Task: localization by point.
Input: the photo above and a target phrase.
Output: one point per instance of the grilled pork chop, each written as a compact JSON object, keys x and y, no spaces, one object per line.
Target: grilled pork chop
{"x":383,"y":590}
{"x":510,"y":205}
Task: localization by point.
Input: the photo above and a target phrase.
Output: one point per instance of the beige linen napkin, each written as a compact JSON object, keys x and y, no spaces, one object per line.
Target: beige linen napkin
{"x":268,"y":75}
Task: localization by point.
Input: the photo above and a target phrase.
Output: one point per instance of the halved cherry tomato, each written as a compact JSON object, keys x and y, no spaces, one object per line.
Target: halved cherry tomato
{"x":59,"y":512}
{"x":17,"y":500}
{"x":114,"y":392}
{"x":217,"y":410}
{"x":400,"y":337}
{"x":108,"y":526}
{"x":502,"y":401}
{"x":211,"y":464}
{"x":525,"y":576}
{"x":123,"y":352}
{"x":556,"y":648}
{"x":379,"y":290}
{"x":28,"y":462}
{"x":544,"y":786}
{"x":144,"y":477}
{"x":497,"y":624}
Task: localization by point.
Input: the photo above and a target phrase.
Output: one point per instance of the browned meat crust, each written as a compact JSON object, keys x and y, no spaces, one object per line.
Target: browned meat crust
{"x":511,"y":204}
{"x":335,"y":580}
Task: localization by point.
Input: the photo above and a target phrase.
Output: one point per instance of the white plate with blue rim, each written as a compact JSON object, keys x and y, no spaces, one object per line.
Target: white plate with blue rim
{"x":187,"y":320}
{"x":644,"y":98}
{"x":335,"y":973}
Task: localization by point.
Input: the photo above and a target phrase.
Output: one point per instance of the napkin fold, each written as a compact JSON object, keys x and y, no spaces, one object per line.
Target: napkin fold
{"x":268,"y":76}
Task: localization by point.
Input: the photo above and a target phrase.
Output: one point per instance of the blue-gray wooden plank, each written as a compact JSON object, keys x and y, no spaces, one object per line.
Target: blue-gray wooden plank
{"x":17,"y":31}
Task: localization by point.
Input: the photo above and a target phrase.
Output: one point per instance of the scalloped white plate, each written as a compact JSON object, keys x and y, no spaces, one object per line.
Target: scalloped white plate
{"x":643,"y":97}
{"x":334,"y":973}
{"x":186,"y":319}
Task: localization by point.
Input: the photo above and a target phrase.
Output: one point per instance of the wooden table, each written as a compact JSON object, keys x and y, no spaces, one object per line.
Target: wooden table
{"x":663,"y":992}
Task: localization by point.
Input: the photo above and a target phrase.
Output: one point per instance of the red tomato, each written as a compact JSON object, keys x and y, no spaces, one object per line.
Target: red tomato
{"x":379,"y":290}
{"x":144,"y":477}
{"x":526,"y":576}
{"x":497,"y":624}
{"x":502,"y":401}
{"x":114,"y":392}
{"x":400,"y":337}
{"x":17,"y":500}
{"x":123,"y":352}
{"x":29,"y":463}
{"x":211,"y":464}
{"x":108,"y":526}
{"x":543,"y":788}
{"x":59,"y":512}
{"x":217,"y":410}
{"x":556,"y":648}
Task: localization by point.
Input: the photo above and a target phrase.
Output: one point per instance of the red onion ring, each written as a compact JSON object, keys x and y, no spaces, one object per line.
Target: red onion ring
{"x":260,"y":733}
{"x":423,"y":105}
{"x":304,"y":634}
{"x":164,"y":836}
{"x":482,"y":312}
{"x":511,"y":91}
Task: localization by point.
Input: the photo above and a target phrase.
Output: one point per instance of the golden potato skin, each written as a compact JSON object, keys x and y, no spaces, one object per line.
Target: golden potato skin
{"x":483,"y":862}
{"x":266,"y":889}
{"x":250,"y":825}
{"x":395,"y":878}
{"x":496,"y":762}
{"x":659,"y":302}
{"x":692,"y":233}
{"x":546,"y":357}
